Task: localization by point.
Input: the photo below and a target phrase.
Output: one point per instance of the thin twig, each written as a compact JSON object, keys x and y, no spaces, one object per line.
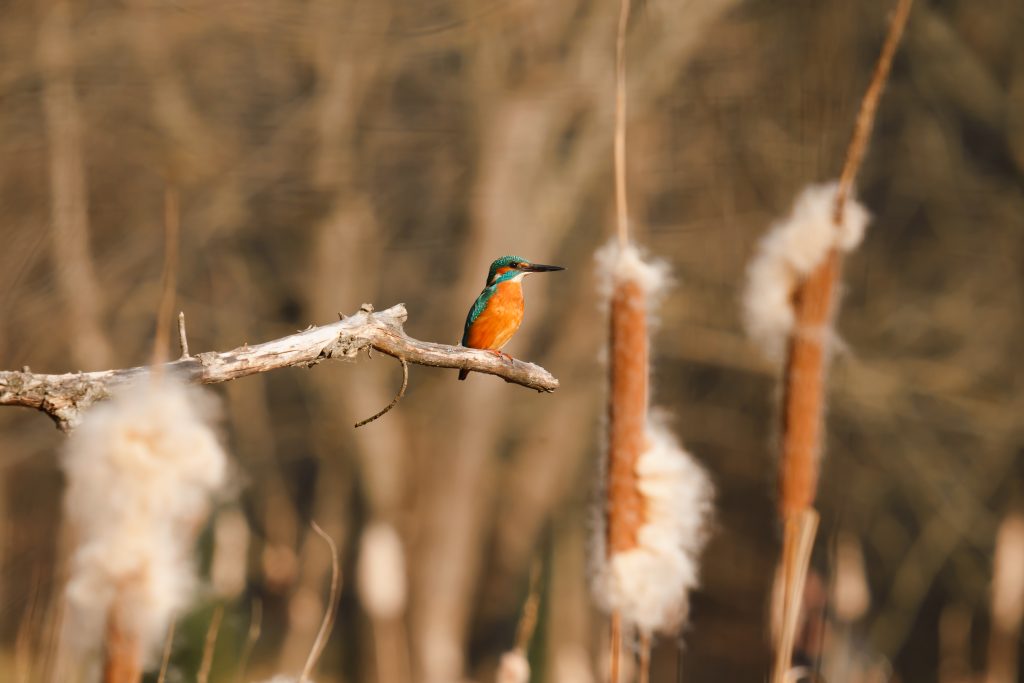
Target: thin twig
{"x":395,"y":400}
{"x":621,"y":207}
{"x":64,"y":397}
{"x":253,"y":635}
{"x":203,"y":675}
{"x":165,"y":660}
{"x":528,"y":619}
{"x":332,"y":607}
{"x":798,"y":541}
{"x":182,"y":337}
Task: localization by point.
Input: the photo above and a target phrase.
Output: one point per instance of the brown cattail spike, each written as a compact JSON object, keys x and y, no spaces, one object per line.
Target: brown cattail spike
{"x":805,"y":380}
{"x":627,"y":413}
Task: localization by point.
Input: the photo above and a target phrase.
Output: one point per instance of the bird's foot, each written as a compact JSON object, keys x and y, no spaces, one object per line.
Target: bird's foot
{"x":502,"y":354}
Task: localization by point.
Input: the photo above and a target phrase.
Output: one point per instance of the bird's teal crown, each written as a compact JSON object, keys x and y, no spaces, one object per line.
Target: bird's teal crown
{"x":502,"y":262}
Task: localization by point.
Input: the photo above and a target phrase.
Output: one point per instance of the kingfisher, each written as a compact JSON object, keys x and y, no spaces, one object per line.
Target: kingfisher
{"x":498,"y":311}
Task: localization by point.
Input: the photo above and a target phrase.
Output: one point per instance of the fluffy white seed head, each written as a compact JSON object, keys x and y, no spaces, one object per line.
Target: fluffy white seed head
{"x":381,"y":572}
{"x":141,"y":470}
{"x":616,"y":264}
{"x":790,"y":250}
{"x":649,"y":585}
{"x":513,"y":668}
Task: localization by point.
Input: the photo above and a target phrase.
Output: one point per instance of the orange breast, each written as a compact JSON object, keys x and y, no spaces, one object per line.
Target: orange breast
{"x":500,"y":320}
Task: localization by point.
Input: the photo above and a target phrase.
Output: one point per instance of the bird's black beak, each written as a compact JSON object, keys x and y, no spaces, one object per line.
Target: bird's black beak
{"x":539,"y":268}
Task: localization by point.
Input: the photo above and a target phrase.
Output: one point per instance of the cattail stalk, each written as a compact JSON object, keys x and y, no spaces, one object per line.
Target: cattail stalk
{"x":804,"y":389}
{"x":624,"y":506}
{"x":815,"y":302}
{"x":657,"y":498}
{"x":621,"y":203}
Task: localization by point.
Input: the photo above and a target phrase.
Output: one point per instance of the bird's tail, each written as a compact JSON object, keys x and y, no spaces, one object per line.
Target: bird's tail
{"x":463,"y":374}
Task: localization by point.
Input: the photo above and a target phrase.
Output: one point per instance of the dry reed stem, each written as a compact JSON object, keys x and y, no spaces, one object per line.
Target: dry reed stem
{"x":528,"y":619}
{"x":168,"y":278}
{"x":621,"y":206}
{"x":251,"y":637}
{"x":797,"y":545}
{"x":645,"y":657}
{"x":332,"y":607}
{"x":615,"y":647}
{"x":803,"y":402}
{"x":165,"y":659}
{"x":627,"y":413}
{"x":869,"y":105}
{"x":122,"y":653}
{"x":209,"y":645}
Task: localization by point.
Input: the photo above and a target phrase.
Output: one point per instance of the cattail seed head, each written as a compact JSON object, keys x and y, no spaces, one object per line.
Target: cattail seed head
{"x":657,"y":498}
{"x":141,"y":470}
{"x":791,"y":249}
{"x":650,"y":582}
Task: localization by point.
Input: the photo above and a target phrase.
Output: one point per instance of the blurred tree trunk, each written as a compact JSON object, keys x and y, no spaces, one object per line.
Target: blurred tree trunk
{"x":69,"y":202}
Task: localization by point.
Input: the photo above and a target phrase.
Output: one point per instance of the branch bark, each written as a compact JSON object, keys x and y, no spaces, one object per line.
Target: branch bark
{"x":64,"y":397}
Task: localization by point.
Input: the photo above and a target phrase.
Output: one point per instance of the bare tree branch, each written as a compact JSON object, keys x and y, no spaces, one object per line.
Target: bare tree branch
{"x":64,"y":397}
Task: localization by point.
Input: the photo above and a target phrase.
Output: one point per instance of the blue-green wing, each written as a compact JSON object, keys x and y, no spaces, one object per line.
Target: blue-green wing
{"x":478,"y":307}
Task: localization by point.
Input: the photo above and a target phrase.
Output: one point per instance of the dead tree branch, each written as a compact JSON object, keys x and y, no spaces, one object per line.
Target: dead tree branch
{"x":64,"y":397}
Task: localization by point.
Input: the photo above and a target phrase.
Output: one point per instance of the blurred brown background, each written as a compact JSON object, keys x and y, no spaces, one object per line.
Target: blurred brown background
{"x":330,"y":153}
